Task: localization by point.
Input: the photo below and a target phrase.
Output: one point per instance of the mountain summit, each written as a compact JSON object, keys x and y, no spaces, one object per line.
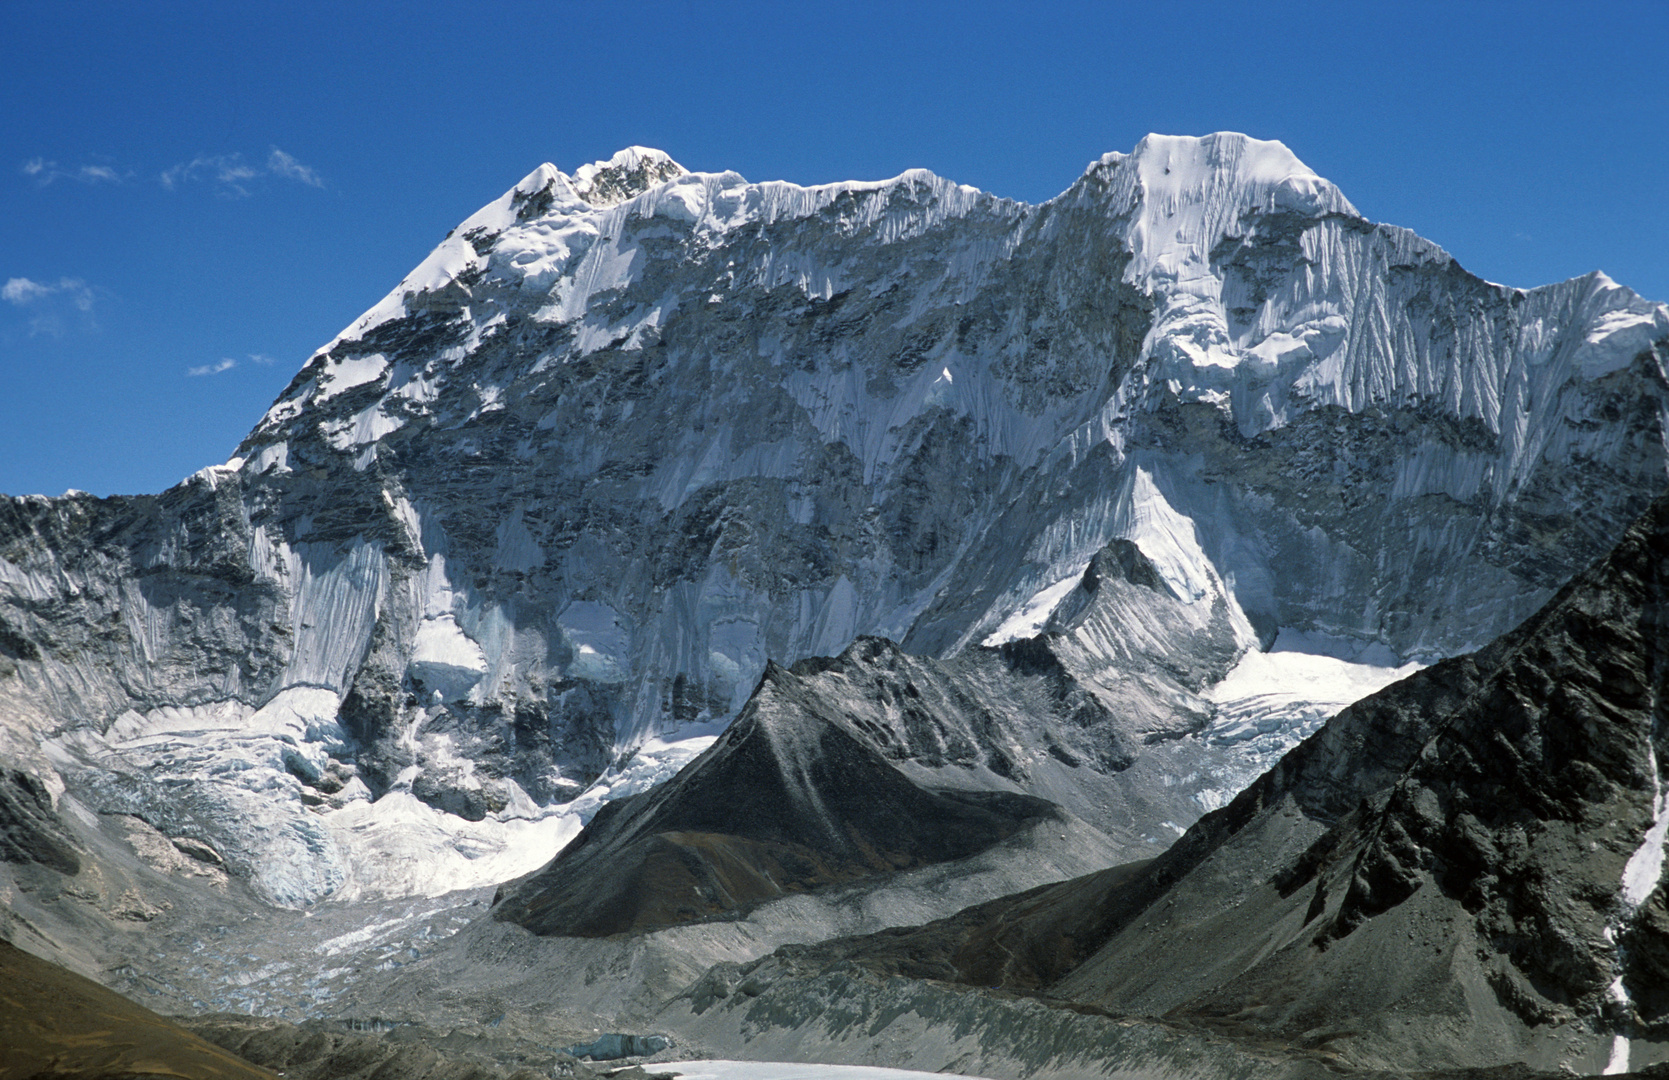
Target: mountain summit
{"x":626,"y":175}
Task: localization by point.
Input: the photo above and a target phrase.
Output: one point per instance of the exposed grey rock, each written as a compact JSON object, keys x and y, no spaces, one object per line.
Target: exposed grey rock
{"x":29,"y":827}
{"x":848,"y":767}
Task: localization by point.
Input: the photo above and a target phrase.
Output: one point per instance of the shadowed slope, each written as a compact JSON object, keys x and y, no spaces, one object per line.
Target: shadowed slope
{"x":1030,"y":940}
{"x":1501,"y":848}
{"x":784,"y":802}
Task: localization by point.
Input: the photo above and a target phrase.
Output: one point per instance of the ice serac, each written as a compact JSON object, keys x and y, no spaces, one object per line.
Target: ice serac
{"x":627,"y":435}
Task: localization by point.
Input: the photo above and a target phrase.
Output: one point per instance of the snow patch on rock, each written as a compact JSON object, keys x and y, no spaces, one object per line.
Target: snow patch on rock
{"x":445,"y":659}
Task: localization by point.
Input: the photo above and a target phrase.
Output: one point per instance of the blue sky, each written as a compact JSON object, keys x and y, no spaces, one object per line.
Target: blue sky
{"x":196,"y":196}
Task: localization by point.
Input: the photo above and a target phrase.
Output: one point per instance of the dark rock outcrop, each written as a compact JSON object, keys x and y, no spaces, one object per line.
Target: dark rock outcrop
{"x":29,"y":828}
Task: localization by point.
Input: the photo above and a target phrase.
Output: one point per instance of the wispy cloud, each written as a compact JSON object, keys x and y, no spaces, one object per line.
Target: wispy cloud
{"x":227,"y":170}
{"x":227,"y":364}
{"x":50,"y":305}
{"x":231,"y":174}
{"x":281,"y":164}
{"x":46,"y":172}
{"x":213,"y":369}
{"x":20,"y":291}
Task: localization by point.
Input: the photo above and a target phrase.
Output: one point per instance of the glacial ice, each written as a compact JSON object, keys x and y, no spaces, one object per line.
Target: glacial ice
{"x":1030,"y":618}
{"x":1270,"y":701}
{"x":1644,"y":869}
{"x":359,"y":849}
{"x":400,"y":846}
{"x":445,"y":659}
{"x":335,"y":607}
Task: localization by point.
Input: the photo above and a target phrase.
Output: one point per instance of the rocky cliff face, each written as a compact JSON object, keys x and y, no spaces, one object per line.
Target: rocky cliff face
{"x":625,"y":436}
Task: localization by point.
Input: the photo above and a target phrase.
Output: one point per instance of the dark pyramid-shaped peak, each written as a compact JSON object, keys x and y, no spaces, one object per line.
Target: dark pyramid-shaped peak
{"x":785,"y":801}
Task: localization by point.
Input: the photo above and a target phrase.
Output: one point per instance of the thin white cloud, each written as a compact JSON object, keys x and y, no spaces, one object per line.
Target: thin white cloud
{"x":261,"y":358}
{"x":228,"y":174}
{"x":227,"y":170}
{"x":170,"y":177}
{"x":45,"y":172}
{"x":20,"y":290}
{"x":213,"y":369}
{"x":50,"y":305}
{"x":232,"y":175}
{"x":281,"y":164}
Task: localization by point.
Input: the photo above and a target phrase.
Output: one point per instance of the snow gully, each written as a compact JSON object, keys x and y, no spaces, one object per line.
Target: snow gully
{"x":1640,"y":877}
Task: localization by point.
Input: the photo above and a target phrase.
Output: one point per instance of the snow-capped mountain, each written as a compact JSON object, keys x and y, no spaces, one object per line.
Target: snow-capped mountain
{"x":524,"y":536}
